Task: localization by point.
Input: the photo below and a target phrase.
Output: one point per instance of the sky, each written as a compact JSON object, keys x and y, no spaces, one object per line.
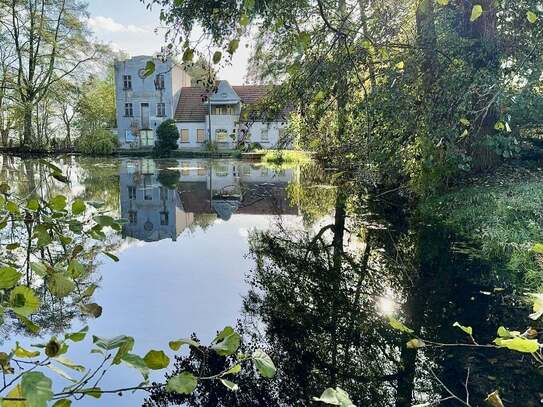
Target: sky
{"x":127,"y":25}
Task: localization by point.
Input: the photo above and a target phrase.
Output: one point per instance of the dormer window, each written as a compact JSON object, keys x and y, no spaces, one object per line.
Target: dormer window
{"x":127,"y":82}
{"x":159,"y":82}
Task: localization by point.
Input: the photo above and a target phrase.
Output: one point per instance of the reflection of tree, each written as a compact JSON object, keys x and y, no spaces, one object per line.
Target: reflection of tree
{"x":19,"y":240}
{"x":312,"y":192}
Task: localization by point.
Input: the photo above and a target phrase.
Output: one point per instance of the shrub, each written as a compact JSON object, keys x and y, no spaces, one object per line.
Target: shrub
{"x":167,"y":136}
{"x":101,"y":142}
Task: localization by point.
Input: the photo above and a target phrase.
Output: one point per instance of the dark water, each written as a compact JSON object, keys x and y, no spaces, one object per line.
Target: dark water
{"x":307,"y":267}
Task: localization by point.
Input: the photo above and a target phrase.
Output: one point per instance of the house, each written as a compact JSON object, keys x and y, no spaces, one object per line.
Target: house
{"x":224,"y":117}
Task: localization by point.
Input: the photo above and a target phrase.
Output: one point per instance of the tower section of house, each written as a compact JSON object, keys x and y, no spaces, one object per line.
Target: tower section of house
{"x":226,"y":117}
{"x":143,"y":102}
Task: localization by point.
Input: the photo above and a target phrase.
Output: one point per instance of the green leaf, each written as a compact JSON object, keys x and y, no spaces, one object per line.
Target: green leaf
{"x":230,"y":385}
{"x":61,"y":372}
{"x":397,"y":325}
{"x":12,"y":208}
{"x":227,"y":342}
{"x":31,"y":326}
{"x":176,"y":345}
{"x":63,"y":403}
{"x":23,"y":301}
{"x":60,"y":284}
{"x":58,"y":203}
{"x":465,"y":122}
{"x":77,"y":336}
{"x":183,"y":383}
{"x":263,"y":363}
{"x":91,"y":309}
{"x":149,"y":69}
{"x":233,"y":46}
{"x":9,"y":277}
{"x":156,"y":360}
{"x":188,"y":55}
{"x":538,"y":248}
{"x":75,"y":268}
{"x":466,"y":329}
{"x":476,"y":12}
{"x":104,"y":220}
{"x":53,"y":348}
{"x":95,"y":392}
{"x":21,"y":352}
{"x":36,"y":388}
{"x":505,"y":333}
{"x":217,"y":57}
{"x":122,"y":342}
{"x":244,"y":20}
{"x":78,"y":206}
{"x":136,"y":362}
{"x":33,"y":204}
{"x":400,"y":65}
{"x":233,"y":370}
{"x":442,"y":2}
{"x":304,"y":40}
{"x":111,"y":256}
{"x":63,"y":360}
{"x":335,"y":397}
{"x":89,"y":291}
{"x":531,"y":16}
{"x":518,"y":344}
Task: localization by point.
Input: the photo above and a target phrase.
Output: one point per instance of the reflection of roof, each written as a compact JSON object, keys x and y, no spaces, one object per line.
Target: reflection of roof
{"x":257,"y":199}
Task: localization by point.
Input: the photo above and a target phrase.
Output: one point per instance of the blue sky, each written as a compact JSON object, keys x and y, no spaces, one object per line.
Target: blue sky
{"x":128,"y":25}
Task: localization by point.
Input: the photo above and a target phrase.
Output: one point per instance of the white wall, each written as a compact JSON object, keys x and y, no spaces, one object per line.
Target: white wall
{"x":192,"y":127}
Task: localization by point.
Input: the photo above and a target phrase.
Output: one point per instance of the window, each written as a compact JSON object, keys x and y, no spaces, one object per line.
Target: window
{"x":164,"y":218}
{"x":202,"y":171}
{"x":161,"y":109}
{"x":221,"y":170}
{"x":159,"y":82}
{"x":127,"y":82}
{"x":222,"y":109}
{"x":184,"y":137}
{"x":147,"y":187}
{"x":264,"y":134}
{"x":128,"y":110}
{"x":185,"y":169}
{"x":221,"y":135}
{"x":282,"y":136}
{"x":200,"y":136}
{"x":133,"y":217}
{"x":131,"y":192}
{"x":163,"y":193}
{"x":246,"y":170}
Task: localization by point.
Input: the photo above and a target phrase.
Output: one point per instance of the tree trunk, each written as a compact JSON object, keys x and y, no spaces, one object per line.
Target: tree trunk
{"x":27,"y":125}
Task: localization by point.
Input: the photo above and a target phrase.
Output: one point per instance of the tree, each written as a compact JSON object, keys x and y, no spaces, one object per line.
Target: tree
{"x":50,"y":42}
{"x":167,"y":135}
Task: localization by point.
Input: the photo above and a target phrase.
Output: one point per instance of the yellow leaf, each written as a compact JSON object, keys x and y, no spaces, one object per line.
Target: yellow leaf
{"x":476,"y":12}
{"x":518,"y":344}
{"x":494,"y":399}
{"x":16,"y":393}
{"x":466,"y":329}
{"x":537,"y":306}
{"x":531,"y":16}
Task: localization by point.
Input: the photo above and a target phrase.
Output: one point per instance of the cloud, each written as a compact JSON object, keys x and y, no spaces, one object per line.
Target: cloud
{"x":101,"y":23}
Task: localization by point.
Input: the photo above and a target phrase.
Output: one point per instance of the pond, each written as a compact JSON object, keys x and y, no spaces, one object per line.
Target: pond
{"x":304,"y":265}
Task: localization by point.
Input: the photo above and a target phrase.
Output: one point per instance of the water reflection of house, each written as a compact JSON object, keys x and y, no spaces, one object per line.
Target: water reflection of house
{"x":218,"y":188}
{"x":153,"y":211}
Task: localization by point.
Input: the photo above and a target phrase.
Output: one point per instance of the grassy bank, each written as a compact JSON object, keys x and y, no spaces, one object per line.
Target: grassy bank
{"x":503,"y":215}
{"x":285,"y":156}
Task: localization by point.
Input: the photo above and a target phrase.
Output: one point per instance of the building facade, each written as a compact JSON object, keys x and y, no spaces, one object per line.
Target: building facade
{"x":220,"y":118}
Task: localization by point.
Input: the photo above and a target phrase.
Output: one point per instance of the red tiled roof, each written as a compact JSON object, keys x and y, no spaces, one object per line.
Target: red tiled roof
{"x":190,"y":107}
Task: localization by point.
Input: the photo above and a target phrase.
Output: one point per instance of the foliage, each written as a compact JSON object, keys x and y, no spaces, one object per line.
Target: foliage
{"x":167,"y":136}
{"x":100,"y":142}
{"x":502,"y":218}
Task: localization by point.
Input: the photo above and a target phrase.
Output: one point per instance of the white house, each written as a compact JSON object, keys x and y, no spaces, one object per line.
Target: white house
{"x":223,"y":117}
